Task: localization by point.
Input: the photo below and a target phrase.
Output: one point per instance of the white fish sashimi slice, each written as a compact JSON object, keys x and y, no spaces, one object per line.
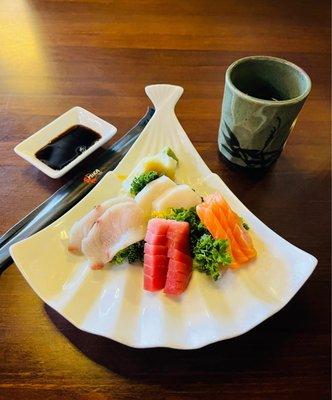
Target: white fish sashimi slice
{"x":181,"y":196}
{"x":152,"y":191}
{"x":119,"y":226}
{"x":82,"y":227}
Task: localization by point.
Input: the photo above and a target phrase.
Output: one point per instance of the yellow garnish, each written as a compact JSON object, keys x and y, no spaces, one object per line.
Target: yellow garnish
{"x":168,"y":212}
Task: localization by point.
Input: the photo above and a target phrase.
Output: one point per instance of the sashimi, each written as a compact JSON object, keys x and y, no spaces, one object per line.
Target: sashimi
{"x":212,"y":223}
{"x":154,"y":283}
{"x":155,"y":264}
{"x":118,"y":227}
{"x":180,"y":196}
{"x":82,"y":227}
{"x":178,"y":255}
{"x":223,"y":223}
{"x":154,"y":239}
{"x":240,"y":253}
{"x":167,"y":263}
{"x":155,"y":249}
{"x":151,"y":259}
{"x":158,"y":226}
{"x":177,"y":280}
{"x":238,"y":235}
{"x":152,"y":191}
{"x":180,"y":263}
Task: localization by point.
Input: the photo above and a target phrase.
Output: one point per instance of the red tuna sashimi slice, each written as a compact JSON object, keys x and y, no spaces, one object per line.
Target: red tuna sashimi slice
{"x":180,"y":242}
{"x":151,"y":238}
{"x":155,"y":273}
{"x":175,"y":285}
{"x":155,"y":249}
{"x":158,"y":226}
{"x":179,"y":266}
{"x":178,"y":230}
{"x":155,"y":261}
{"x":178,"y":277}
{"x":179,"y":272}
{"x":177,"y":255}
{"x":167,"y":263}
{"x":150,"y":270}
{"x":154,"y":283}
{"x":181,"y":246}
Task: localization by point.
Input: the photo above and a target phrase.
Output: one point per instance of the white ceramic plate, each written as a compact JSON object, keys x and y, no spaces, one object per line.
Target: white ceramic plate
{"x":112,"y":303}
{"x":75,"y":116}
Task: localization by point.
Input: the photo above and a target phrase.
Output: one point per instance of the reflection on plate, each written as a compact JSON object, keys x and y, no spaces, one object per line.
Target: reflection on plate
{"x":111,"y":302}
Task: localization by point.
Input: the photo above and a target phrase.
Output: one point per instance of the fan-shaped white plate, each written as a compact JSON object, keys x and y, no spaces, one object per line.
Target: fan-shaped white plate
{"x":112,"y":303}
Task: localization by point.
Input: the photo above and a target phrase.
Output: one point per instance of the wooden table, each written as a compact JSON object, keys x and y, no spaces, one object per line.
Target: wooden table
{"x":100,"y":55}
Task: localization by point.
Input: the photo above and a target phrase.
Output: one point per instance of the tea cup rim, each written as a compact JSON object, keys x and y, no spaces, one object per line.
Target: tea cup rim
{"x":293,"y":100}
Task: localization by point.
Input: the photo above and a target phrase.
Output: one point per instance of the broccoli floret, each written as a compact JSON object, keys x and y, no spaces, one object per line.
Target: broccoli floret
{"x":133,"y":253}
{"x":210,"y":254}
{"x":140,"y":181}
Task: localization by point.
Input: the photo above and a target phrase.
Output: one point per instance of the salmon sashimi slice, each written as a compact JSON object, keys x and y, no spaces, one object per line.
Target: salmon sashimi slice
{"x":238,"y":255}
{"x":244,"y":238}
{"x":235,"y":231}
{"x":213,"y":225}
{"x":223,"y":223}
{"x":241,"y":236}
{"x":210,"y":221}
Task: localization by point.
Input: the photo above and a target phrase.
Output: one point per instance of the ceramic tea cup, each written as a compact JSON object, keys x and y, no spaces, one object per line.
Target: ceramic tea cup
{"x":262,"y":99}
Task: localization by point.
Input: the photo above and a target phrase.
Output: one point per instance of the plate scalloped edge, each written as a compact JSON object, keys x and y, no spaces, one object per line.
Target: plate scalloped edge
{"x":112,"y":303}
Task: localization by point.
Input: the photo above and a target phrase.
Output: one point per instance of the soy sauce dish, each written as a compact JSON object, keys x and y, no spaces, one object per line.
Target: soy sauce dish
{"x":65,"y":142}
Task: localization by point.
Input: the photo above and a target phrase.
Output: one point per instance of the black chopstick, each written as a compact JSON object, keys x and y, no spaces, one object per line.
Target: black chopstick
{"x":70,"y":193}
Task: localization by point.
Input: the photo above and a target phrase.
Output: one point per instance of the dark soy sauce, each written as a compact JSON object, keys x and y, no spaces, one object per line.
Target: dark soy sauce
{"x":67,"y":146}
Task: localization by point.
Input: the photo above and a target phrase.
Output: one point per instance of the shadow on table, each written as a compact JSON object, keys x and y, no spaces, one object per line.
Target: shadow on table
{"x":254,"y":351}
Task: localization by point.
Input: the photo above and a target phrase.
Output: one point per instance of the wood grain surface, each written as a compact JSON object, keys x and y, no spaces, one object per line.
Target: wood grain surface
{"x":100,"y":55}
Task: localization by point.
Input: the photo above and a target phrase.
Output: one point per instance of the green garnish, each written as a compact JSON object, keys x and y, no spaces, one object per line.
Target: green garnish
{"x":171,"y":154}
{"x":210,"y":254}
{"x":133,"y":253}
{"x":140,"y":181}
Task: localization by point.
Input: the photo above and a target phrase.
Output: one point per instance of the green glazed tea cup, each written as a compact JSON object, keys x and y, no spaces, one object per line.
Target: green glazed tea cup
{"x":262,"y":99}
